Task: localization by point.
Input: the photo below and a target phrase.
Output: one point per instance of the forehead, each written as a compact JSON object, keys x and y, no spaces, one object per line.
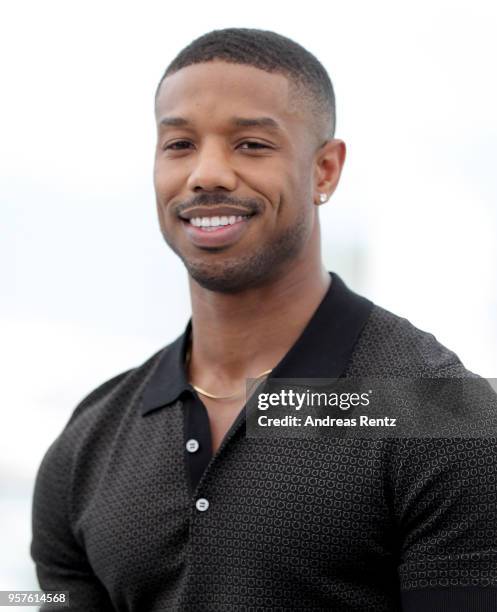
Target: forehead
{"x":216,"y":89}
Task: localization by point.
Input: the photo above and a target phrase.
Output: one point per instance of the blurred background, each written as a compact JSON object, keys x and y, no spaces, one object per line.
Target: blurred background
{"x":87,"y":278}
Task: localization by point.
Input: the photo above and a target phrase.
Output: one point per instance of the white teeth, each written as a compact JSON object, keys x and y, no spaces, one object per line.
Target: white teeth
{"x":208,"y":222}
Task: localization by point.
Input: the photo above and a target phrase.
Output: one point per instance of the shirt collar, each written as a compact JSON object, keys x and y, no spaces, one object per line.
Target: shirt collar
{"x":323,"y":350}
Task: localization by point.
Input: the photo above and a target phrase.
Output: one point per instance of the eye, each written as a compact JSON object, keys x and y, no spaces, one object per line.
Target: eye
{"x":179,"y":145}
{"x":252,"y":145}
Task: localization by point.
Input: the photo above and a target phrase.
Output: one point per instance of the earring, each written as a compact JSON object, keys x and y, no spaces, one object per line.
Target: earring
{"x":323,"y":197}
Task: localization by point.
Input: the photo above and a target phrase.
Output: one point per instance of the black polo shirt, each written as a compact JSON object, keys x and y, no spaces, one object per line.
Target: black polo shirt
{"x":132,"y":511}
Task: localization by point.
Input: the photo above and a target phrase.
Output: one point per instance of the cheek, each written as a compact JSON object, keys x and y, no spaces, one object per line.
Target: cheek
{"x":274,"y":179}
{"x":297,"y":189}
{"x":168,"y":180}
{"x":161,"y":182}
{"x":296,"y":175}
{"x":164,"y":185}
{"x":165,"y":194}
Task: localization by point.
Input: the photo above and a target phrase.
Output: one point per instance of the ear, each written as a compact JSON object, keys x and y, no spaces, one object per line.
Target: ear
{"x":328,"y":165}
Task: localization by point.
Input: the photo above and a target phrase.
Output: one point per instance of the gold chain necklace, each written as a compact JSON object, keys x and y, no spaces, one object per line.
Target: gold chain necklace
{"x":219,"y":397}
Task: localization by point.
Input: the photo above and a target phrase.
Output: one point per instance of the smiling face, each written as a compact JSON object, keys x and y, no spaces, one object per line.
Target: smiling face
{"x":235,"y":174}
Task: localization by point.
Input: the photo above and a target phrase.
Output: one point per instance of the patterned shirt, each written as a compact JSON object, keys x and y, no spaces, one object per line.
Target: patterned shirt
{"x":133,"y":512}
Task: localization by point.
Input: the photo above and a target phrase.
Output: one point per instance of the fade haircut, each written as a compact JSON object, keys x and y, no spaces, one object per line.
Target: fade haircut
{"x":271,"y":52}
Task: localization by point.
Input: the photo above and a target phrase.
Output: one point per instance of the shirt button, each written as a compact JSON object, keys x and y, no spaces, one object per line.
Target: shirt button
{"x":202,"y":504}
{"x":192,"y":445}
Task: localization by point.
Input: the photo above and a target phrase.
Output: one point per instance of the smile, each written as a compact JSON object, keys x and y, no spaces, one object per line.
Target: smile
{"x":211,"y":223}
{"x":217,"y":231}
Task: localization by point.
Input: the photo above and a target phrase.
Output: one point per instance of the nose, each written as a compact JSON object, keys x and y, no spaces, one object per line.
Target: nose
{"x":212,"y":170}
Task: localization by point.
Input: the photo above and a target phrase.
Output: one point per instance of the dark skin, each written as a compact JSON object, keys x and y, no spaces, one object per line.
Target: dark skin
{"x":241,"y":330}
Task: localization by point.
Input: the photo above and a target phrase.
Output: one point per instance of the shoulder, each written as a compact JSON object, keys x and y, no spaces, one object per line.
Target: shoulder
{"x":116,"y":394}
{"x":391,"y":345}
{"x":97,"y":417}
{"x":72,"y":466}
{"x":76,"y":458}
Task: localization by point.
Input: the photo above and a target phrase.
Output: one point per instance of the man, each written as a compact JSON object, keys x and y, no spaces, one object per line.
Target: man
{"x":153,"y":498}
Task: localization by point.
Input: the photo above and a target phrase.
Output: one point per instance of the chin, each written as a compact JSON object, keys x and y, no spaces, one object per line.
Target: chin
{"x":230,"y":276}
{"x":227,"y":274}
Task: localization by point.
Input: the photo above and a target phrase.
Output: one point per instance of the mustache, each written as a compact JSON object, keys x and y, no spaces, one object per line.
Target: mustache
{"x":251,"y":205}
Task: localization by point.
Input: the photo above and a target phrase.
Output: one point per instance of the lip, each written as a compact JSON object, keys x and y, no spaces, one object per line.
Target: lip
{"x":222,"y":236}
{"x":214,"y":211}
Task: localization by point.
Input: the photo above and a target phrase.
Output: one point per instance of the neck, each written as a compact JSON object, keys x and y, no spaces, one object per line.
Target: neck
{"x":238,"y":336}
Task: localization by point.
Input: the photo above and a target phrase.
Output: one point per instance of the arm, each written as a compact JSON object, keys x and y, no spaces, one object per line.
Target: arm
{"x":61,"y":562}
{"x":446,"y":506}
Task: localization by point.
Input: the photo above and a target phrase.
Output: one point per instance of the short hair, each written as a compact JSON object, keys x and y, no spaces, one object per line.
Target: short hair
{"x":271,"y":52}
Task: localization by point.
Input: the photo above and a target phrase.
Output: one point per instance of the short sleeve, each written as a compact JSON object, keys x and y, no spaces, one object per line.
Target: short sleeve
{"x":61,"y":563}
{"x":446,"y":510}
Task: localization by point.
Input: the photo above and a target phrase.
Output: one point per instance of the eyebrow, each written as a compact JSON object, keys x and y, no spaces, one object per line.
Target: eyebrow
{"x":174,"y":121}
{"x":265,"y":122}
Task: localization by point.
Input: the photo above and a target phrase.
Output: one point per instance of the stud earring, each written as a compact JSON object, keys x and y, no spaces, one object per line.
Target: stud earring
{"x":323,"y":197}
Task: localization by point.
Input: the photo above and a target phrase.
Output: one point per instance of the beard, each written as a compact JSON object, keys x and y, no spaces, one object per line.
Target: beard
{"x":236,"y":274}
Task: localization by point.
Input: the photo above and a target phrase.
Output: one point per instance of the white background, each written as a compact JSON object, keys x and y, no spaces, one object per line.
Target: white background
{"x":90,"y":289}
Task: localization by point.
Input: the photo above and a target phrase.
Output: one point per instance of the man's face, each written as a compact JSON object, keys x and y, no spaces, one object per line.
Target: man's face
{"x":233,"y":174}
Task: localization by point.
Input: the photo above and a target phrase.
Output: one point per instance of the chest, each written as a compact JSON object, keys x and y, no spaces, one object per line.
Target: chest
{"x":275,"y":508}
{"x":221,"y":416}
